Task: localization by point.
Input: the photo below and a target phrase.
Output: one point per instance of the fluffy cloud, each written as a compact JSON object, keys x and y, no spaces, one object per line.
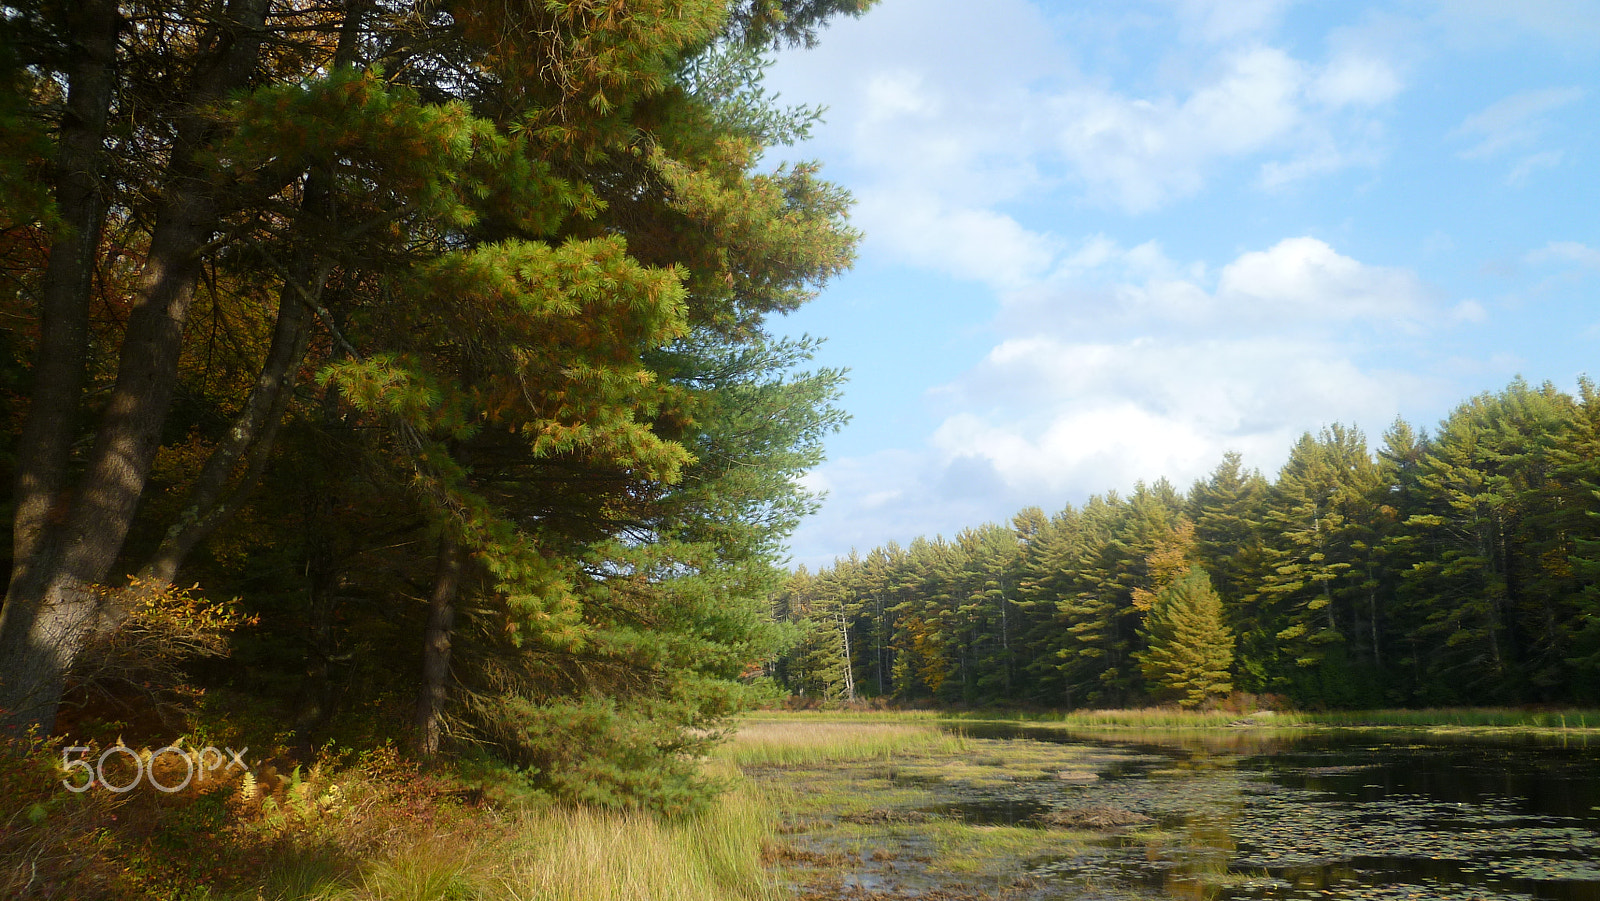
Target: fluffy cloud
{"x":943,"y":122}
{"x":1356,"y":79}
{"x":1305,"y":279}
{"x":1205,"y":369}
{"x":1223,"y":20}
{"x":1139,"y":152}
{"x":970,"y":243}
{"x":1105,"y":415}
{"x":1275,"y":342}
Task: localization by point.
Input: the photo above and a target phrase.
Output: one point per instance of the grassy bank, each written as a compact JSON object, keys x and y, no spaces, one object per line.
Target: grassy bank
{"x":810,"y":796}
{"x":809,"y":739}
{"x":377,"y":829}
{"x":1176,"y":718}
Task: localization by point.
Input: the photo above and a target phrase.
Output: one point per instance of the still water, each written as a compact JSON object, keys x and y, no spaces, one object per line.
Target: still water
{"x":1327,"y":815}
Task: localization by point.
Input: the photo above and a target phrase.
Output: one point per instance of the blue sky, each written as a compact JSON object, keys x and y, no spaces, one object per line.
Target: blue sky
{"x":1108,"y":242}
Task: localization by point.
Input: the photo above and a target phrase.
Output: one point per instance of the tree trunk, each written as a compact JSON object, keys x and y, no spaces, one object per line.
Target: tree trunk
{"x":319,"y":690}
{"x":249,"y":442}
{"x":436,"y":647}
{"x":30,"y":637}
{"x":849,"y":668}
{"x":52,"y":604}
{"x":58,"y":375}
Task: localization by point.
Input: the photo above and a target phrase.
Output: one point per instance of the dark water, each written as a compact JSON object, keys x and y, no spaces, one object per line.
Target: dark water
{"x":1329,"y":815}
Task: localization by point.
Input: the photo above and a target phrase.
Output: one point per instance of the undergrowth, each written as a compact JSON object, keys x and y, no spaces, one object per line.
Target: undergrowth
{"x":368,"y":827}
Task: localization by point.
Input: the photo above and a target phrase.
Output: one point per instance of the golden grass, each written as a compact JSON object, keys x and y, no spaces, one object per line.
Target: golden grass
{"x":1467,"y":717}
{"x":1437,"y":717}
{"x":806,"y":740}
{"x":1151,"y":718}
{"x":591,"y":855}
{"x":561,"y":854}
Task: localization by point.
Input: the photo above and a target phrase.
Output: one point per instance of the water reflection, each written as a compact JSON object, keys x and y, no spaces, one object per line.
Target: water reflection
{"x":1337,"y":814}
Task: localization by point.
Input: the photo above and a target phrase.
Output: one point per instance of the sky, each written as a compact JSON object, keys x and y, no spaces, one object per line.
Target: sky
{"x":1108,"y":242}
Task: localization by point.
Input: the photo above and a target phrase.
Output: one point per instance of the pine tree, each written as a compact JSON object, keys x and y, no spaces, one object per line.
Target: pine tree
{"x":1188,"y":648}
{"x":1484,"y":600}
{"x":1322,"y":528}
{"x":1579,"y":462}
{"x":523,"y":279}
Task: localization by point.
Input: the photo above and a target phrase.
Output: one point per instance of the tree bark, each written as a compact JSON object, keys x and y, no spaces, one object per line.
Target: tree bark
{"x":436,"y":647}
{"x":45,"y":446}
{"x":249,"y":442}
{"x":52,"y":604}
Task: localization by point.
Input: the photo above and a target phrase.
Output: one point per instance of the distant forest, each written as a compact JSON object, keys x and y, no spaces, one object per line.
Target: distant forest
{"x":1461,"y":567}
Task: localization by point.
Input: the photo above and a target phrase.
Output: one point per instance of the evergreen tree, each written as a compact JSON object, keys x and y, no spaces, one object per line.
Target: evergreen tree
{"x":1485,"y":603}
{"x":1579,"y":462}
{"x":1188,"y":649}
{"x":1228,"y":509}
{"x":519,"y":282}
{"x":1322,"y":526}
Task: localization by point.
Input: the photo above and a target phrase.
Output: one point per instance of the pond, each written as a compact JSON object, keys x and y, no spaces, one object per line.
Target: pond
{"x":1324,"y":815}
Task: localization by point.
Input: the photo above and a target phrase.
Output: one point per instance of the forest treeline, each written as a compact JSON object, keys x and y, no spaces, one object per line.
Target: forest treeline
{"x":430,"y":341}
{"x":1461,"y":567}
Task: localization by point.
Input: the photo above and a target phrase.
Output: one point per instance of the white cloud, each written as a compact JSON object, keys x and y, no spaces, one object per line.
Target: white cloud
{"x":1221,"y":20}
{"x":970,"y":243}
{"x":1277,"y":346}
{"x":1139,"y":153}
{"x":1107,"y":415}
{"x":1469,"y":311}
{"x":1124,"y":365}
{"x":1305,"y":279}
{"x":1515,"y":121}
{"x":1566,"y":251}
{"x":1356,"y":80}
{"x":995,"y":109}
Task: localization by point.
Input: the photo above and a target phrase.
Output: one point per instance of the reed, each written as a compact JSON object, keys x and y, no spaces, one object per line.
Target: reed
{"x":569,"y":854}
{"x":593,"y":855}
{"x":1436,"y":717}
{"x":1480,"y":717}
{"x":1149,"y":718}
{"x":806,"y":740}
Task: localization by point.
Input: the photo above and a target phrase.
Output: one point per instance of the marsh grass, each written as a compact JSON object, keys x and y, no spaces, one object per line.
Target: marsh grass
{"x":856,"y":793}
{"x":1176,"y":718}
{"x":565,"y":854}
{"x":592,"y":855}
{"x":1146,"y":718}
{"x":1480,"y":717}
{"x":807,"y":740}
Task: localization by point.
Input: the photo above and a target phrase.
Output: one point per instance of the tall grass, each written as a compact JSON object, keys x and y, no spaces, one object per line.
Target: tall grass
{"x":590,"y":855}
{"x":568,"y":854}
{"x":1150,"y":718}
{"x":806,"y":739}
{"x":1175,"y":718}
{"x":1483,"y":717}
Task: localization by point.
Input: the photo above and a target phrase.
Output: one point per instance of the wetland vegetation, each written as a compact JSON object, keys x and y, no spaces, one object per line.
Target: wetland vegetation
{"x":970,"y":808}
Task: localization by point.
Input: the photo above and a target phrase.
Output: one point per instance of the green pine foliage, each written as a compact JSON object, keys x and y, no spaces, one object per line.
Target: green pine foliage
{"x":1188,"y":649}
{"x":511,"y":271}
